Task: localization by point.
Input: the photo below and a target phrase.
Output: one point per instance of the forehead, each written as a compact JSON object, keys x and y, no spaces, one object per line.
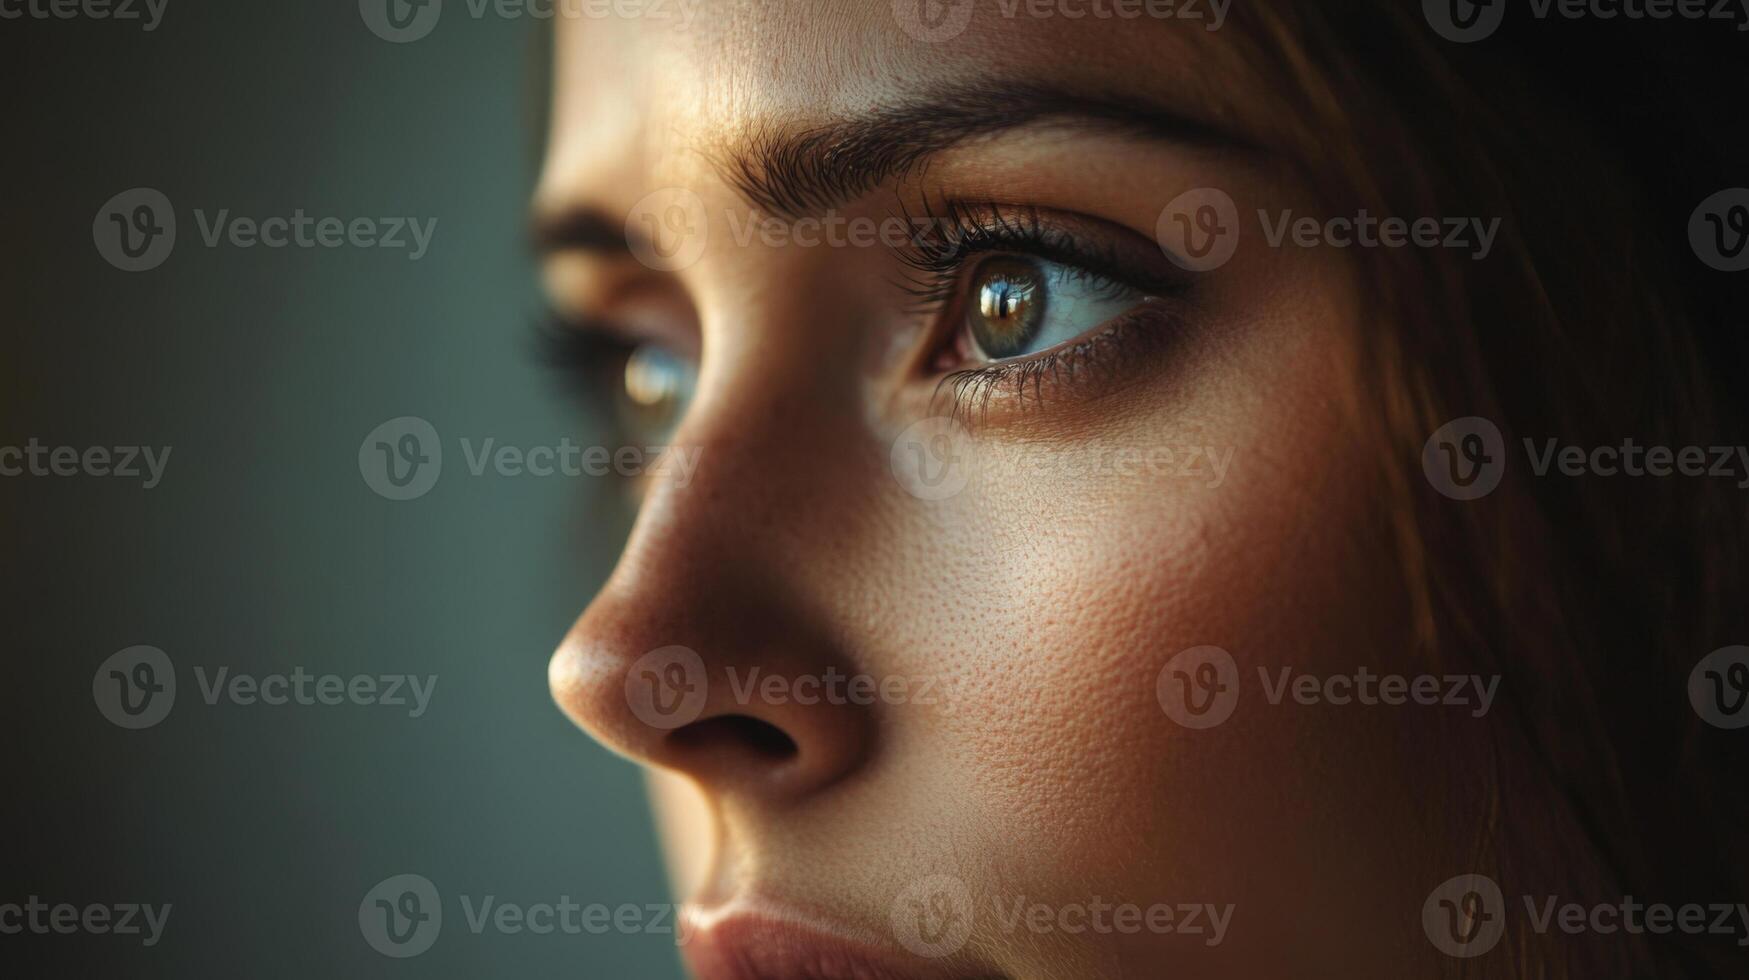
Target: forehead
{"x":649,"y":99}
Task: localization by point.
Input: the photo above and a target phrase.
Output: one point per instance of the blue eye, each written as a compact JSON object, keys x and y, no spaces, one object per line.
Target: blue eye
{"x":1021,"y":306}
{"x":657,"y":388}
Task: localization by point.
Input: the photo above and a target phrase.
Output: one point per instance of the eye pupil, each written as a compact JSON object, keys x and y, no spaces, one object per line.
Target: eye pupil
{"x":1010,"y":306}
{"x":1006,"y":298}
{"x":1003,"y":298}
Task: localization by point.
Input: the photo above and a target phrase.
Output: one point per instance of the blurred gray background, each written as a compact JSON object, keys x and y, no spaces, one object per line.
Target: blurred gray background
{"x":264,"y":550}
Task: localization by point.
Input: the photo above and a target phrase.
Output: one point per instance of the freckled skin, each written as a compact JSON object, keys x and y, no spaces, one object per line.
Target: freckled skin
{"x":1044,"y":601}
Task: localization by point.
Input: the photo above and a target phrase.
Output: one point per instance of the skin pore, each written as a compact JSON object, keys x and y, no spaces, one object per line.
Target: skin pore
{"x":1042,"y":601}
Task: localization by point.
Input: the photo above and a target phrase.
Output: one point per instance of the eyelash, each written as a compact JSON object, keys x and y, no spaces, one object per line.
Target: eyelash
{"x":960,"y":235}
{"x":586,"y":351}
{"x":583,"y":351}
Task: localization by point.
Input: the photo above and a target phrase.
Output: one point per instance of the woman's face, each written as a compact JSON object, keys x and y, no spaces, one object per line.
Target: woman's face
{"x":965,"y":487}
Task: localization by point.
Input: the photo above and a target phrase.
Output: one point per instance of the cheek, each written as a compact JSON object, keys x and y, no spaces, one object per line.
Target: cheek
{"x":1257,"y":534}
{"x":1129,"y":575}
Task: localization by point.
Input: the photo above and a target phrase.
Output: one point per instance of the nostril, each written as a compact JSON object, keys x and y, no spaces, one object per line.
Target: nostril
{"x":762,"y":738}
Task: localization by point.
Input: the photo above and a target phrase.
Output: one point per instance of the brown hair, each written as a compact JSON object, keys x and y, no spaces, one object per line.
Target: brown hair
{"x":1592,"y":599}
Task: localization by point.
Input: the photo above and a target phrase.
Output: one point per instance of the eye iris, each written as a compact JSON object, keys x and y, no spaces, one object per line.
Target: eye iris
{"x":1010,"y":308}
{"x":652,"y":377}
{"x":655,"y":390}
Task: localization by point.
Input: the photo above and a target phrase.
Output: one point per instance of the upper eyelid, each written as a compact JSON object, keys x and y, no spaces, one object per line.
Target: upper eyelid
{"x":1082,"y":242}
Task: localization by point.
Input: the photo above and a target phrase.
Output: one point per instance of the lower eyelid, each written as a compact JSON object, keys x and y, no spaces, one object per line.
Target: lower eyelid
{"x":1077,"y":369}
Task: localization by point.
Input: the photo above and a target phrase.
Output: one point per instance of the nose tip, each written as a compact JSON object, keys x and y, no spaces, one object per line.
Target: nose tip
{"x":717,"y":649}
{"x":765,"y":728}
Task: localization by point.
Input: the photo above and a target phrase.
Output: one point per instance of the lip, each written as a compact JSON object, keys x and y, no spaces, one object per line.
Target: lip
{"x":748,"y":945}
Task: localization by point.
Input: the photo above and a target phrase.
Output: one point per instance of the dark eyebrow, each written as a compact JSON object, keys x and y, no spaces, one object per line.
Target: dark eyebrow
{"x":791,"y":172}
{"x":580,"y":230}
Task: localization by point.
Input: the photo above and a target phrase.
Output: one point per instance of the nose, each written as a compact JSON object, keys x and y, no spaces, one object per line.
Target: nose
{"x":707,"y":652}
